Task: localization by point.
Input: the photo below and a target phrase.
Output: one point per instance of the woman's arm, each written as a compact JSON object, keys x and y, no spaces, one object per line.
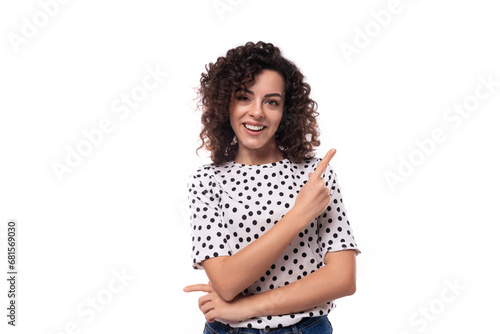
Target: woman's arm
{"x":335,"y":280}
{"x":229,"y":275}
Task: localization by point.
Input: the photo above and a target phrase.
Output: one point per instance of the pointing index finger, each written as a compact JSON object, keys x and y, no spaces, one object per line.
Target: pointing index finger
{"x":199,"y":287}
{"x":320,"y":169}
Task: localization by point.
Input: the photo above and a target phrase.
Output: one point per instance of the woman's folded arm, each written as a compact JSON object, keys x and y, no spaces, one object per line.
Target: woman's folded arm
{"x":230,"y":275}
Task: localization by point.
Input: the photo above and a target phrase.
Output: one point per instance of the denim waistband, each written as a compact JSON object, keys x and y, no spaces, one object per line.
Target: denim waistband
{"x":218,"y":327}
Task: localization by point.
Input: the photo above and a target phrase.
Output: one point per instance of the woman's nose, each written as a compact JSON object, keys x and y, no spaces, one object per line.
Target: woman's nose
{"x":256,"y":110}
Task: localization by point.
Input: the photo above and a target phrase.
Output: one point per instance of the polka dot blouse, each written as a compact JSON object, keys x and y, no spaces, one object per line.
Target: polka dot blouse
{"x":233,"y":204}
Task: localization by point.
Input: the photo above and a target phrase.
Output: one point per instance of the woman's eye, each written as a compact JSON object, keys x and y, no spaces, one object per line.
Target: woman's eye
{"x":273,"y":102}
{"x":243,"y":98}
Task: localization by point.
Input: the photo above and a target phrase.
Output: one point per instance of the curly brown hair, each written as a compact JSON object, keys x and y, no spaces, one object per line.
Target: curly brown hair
{"x":298,"y":134}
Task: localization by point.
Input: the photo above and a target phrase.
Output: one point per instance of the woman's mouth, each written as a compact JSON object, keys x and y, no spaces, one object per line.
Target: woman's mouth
{"x":253,"y":129}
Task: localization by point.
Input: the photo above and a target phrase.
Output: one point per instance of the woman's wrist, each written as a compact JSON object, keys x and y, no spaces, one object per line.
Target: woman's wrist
{"x":300,"y":216}
{"x":256,"y":306}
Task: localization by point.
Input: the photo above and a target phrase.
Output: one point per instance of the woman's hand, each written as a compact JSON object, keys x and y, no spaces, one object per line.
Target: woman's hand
{"x":314,"y":196}
{"x":213,"y":306}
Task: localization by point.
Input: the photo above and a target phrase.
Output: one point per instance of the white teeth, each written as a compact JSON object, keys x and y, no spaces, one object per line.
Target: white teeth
{"x":253,"y":127}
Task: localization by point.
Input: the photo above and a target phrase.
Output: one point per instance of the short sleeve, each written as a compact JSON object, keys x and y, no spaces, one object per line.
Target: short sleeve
{"x":208,"y":233}
{"x":335,"y":231}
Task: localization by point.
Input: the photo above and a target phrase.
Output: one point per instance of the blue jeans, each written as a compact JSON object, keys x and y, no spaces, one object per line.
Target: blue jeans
{"x":313,"y":325}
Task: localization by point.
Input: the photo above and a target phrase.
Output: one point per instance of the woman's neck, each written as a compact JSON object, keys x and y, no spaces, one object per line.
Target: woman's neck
{"x":258,"y":158}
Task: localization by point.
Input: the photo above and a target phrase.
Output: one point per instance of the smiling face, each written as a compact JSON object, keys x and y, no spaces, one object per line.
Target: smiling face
{"x":255,"y":115}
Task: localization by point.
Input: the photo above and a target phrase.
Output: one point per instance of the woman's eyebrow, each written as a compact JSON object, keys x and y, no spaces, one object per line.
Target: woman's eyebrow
{"x":267,"y":95}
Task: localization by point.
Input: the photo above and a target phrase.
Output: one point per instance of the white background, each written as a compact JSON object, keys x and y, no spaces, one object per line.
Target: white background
{"x":123,"y":208}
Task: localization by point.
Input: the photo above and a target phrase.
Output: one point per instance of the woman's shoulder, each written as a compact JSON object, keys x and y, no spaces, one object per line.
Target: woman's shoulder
{"x":208,"y":170}
{"x":309,"y":161}
{"x":309,"y":164}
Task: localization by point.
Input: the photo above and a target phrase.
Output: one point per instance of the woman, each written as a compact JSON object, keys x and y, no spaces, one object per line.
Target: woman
{"x":268,"y":223}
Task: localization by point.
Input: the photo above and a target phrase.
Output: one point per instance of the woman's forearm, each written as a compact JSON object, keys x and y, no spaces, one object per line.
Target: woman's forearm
{"x":335,"y":280}
{"x":230,"y":275}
